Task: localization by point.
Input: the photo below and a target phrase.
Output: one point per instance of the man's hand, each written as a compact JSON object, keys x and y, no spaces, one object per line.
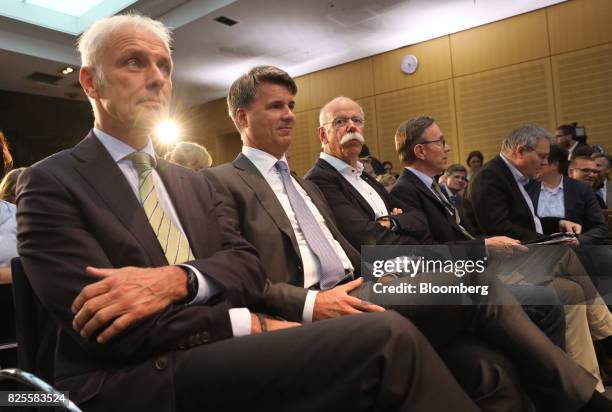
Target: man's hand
{"x":504,"y":246}
{"x":125,"y":296}
{"x":337,"y":302}
{"x":271,"y":324}
{"x":569,"y":226}
{"x":396,"y":211}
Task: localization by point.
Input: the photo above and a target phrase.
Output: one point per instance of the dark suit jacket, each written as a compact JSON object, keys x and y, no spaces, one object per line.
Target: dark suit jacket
{"x":76,"y":209}
{"x":580,"y":207}
{"x":442,"y":226}
{"x":355,"y":217}
{"x":254,"y":210}
{"x":495,"y":205}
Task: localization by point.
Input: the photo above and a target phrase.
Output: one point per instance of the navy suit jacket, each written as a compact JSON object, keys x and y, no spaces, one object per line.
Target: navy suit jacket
{"x":441,"y":225}
{"x":580,"y":207}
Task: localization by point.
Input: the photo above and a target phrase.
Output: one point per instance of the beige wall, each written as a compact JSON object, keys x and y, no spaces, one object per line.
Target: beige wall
{"x":550,"y":66}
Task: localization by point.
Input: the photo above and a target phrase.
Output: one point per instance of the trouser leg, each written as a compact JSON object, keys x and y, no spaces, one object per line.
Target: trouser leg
{"x":553,"y":379}
{"x":367,"y":362}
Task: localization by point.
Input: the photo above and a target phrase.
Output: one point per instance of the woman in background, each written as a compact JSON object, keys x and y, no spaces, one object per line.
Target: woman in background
{"x":474,"y":162}
{"x":8,"y":224}
{"x":8,"y":185}
{"x":191,"y":155}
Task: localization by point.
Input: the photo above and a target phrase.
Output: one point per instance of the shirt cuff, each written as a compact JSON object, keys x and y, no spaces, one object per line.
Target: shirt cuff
{"x":206,"y":287}
{"x":241,"y":321}
{"x":309,"y":303}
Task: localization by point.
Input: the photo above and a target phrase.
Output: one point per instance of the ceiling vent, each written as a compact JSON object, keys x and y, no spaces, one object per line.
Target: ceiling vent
{"x":226,"y":20}
{"x":45,"y":78}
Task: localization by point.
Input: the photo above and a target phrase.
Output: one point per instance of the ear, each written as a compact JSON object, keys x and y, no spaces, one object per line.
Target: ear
{"x":519,"y":151}
{"x":322,"y":133}
{"x":87,"y":78}
{"x":241,"y":118}
{"x":419,"y":151}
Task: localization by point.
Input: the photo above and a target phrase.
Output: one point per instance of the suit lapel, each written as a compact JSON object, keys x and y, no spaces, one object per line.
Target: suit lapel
{"x":379,"y":189}
{"x":347,"y":186}
{"x":418,"y":183}
{"x":97,"y":167}
{"x":515,"y":189}
{"x":266,"y":197}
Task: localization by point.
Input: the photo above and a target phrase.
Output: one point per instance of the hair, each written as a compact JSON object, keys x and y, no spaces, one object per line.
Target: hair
{"x":244,"y":89}
{"x":386,"y":179}
{"x":568,"y":130}
{"x":475,"y":153}
{"x":572,"y":163}
{"x":95,"y":40}
{"x":558,"y":154}
{"x":325,"y":109}
{"x":408,"y":134}
{"x":526,"y":135}
{"x":597,"y":155}
{"x":6,"y":160}
{"x":190,"y":155}
{"x":8,"y":185}
{"x":454,"y":168}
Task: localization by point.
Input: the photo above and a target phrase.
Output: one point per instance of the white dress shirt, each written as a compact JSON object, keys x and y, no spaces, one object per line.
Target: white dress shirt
{"x":264,"y":162}
{"x":521,"y":180}
{"x":353,"y":176}
{"x":8,"y":233}
{"x":552,"y":201}
{"x":119,"y":150}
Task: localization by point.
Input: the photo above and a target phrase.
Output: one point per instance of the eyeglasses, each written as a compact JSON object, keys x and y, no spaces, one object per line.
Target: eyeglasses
{"x":586,"y":170}
{"x":340,"y":122}
{"x":434,"y":141}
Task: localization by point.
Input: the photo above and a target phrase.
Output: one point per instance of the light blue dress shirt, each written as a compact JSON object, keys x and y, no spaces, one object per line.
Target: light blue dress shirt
{"x":552,"y":201}
{"x":8,"y":233}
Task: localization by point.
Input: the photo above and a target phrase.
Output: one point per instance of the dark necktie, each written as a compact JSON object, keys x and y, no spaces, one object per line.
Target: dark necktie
{"x":450,"y":208}
{"x":332,"y":269}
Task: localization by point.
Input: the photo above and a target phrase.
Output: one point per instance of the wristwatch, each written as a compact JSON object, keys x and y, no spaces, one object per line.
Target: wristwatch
{"x":192,"y":285}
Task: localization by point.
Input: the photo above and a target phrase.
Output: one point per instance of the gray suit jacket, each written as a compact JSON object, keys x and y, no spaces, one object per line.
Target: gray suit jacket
{"x":252,"y":207}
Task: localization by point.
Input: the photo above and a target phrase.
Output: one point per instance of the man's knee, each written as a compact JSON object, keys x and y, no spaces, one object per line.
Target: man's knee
{"x":570,"y":293}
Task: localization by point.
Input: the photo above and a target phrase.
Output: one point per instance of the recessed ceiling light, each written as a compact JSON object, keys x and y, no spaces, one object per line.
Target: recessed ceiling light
{"x":66,"y":70}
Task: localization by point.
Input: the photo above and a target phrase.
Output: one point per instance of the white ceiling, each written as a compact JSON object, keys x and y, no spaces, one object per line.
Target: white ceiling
{"x":300,"y":36}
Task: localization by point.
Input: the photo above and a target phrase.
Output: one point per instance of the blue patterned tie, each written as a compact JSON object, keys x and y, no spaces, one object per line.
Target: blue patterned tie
{"x":332,"y":269}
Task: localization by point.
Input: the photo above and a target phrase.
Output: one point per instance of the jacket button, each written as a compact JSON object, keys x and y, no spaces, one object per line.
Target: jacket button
{"x":161,"y":363}
{"x":205,"y":337}
{"x":193,"y":340}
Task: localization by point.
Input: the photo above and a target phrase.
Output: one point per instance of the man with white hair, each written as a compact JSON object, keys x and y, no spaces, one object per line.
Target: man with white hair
{"x":148,"y":283}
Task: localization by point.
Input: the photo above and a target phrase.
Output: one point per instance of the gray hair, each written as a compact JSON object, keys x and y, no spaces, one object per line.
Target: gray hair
{"x":190,"y":155}
{"x":526,"y":135}
{"x":95,"y":39}
{"x":325,"y":109}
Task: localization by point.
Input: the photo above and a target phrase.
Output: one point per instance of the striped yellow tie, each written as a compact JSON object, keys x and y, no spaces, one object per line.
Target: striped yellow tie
{"x":172,"y":240}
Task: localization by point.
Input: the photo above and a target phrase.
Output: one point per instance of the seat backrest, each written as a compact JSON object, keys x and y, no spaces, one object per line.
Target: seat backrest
{"x":36,"y":331}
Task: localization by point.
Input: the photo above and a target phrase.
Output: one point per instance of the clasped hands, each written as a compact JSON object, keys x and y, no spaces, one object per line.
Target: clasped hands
{"x":126,"y":295}
{"x":386,"y":221}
